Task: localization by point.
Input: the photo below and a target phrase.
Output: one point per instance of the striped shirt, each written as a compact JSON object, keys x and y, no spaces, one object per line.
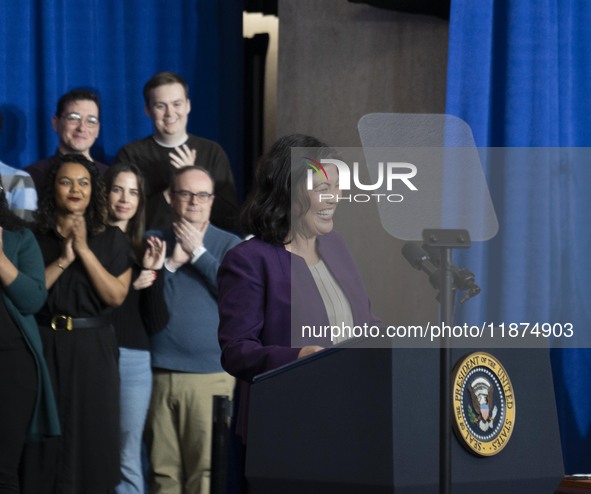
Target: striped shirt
{"x":20,"y":191}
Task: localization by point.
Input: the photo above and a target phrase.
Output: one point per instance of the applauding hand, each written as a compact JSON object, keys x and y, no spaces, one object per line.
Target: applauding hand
{"x":183,"y":156}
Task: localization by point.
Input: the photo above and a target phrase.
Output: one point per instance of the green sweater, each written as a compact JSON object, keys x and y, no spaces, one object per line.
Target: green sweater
{"x":23,"y":298}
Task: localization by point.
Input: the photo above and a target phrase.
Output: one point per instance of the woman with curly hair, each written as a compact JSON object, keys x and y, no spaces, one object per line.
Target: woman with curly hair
{"x":88,"y":272}
{"x":28,"y":412}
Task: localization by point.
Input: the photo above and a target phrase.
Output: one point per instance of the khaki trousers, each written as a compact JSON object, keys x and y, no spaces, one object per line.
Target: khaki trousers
{"x":178,"y":430}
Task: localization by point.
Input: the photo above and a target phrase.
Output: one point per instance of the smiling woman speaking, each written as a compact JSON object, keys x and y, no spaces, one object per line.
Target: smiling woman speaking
{"x":295,"y":271}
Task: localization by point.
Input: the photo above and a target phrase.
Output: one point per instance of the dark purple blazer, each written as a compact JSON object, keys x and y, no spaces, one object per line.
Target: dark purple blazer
{"x":256,"y":297}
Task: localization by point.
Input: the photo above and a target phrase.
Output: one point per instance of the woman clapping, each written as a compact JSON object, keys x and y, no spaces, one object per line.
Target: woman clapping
{"x":88,"y":271}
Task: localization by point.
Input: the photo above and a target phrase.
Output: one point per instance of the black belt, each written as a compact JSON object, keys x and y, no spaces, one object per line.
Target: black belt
{"x":61,"y":322}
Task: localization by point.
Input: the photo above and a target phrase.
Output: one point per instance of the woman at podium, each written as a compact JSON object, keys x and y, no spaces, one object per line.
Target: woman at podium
{"x":294,"y":272}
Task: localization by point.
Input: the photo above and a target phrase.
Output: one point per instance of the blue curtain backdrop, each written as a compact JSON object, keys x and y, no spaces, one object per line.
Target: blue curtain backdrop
{"x":48,"y":47}
{"x":519,"y":72}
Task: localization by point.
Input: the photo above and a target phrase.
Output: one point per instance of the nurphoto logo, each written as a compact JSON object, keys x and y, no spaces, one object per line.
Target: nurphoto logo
{"x":389,"y":173}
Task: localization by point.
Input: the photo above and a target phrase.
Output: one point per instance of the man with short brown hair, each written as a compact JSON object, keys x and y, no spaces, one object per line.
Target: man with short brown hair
{"x":167,"y":104}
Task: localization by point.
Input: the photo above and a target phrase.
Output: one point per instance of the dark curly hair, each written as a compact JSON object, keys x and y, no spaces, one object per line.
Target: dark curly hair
{"x":9,"y":220}
{"x":268,"y":212}
{"x":137,"y":225}
{"x":96,"y":212}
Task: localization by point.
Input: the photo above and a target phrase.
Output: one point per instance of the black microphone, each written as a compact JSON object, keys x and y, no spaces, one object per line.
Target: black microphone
{"x":464,"y":280}
{"x":421,"y":261}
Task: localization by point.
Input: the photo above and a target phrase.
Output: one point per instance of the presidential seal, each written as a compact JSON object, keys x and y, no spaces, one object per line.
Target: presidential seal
{"x":483,"y":404}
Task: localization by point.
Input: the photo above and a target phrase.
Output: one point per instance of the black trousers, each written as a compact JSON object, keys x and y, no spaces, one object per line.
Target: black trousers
{"x":18,"y":389}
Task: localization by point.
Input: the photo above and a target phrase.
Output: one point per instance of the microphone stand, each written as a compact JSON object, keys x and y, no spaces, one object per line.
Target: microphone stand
{"x":444,"y":241}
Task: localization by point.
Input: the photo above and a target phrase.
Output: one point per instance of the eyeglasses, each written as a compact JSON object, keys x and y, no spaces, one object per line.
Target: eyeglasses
{"x":74,"y":118}
{"x":186,"y":196}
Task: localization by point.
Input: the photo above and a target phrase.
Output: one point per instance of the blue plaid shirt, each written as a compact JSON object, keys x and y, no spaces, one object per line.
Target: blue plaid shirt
{"x":20,"y":191}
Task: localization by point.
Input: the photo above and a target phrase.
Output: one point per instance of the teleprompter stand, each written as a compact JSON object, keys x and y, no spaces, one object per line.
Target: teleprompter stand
{"x":444,"y":241}
{"x":359,"y":420}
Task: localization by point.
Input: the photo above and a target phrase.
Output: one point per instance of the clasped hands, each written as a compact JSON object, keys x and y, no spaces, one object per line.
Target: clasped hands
{"x":188,"y":238}
{"x":75,"y":239}
{"x":152,"y":262}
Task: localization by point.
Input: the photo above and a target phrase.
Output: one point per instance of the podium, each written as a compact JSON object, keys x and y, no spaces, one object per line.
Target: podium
{"x":366,"y":421}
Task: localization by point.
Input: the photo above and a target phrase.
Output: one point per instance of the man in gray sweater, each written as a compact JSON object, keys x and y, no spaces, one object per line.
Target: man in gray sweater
{"x":186,"y":353}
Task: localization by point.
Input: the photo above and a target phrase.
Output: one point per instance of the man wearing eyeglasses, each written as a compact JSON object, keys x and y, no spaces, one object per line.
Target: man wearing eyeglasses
{"x":76,"y":123}
{"x":186,"y":354}
{"x":167,"y":104}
